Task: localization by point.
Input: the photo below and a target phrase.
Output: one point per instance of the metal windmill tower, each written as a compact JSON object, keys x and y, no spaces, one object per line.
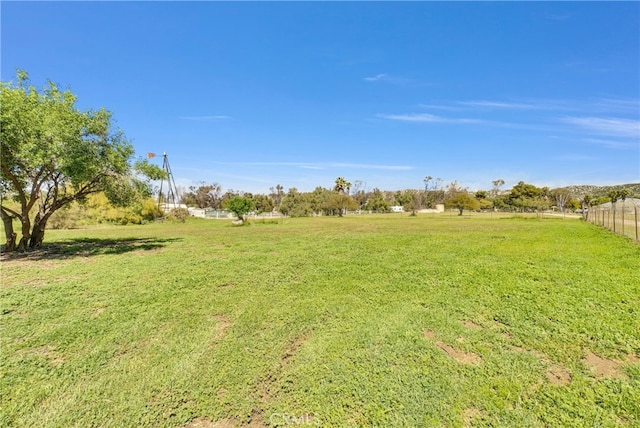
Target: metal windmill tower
{"x":171,"y":199}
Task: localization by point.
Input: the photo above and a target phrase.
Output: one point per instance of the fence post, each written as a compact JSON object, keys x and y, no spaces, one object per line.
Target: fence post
{"x":602,"y":215}
{"x":636,"y":213}
{"x":614,"y":219}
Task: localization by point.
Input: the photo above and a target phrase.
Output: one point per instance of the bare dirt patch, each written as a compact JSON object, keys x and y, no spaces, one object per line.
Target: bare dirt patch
{"x":458,"y":355}
{"x":293,"y":347}
{"x":556,"y":373}
{"x":469,"y":415}
{"x":221,"y":394}
{"x":266,"y":389}
{"x":429,"y":334}
{"x":206,"y":423}
{"x":256,"y":422}
{"x":471,"y":325}
{"x":604,"y":367}
{"x":98,"y":311}
{"x":222,"y":324}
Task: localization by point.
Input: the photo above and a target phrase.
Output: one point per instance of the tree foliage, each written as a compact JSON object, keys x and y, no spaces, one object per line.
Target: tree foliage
{"x":342,"y":186}
{"x":561,"y":198}
{"x":527,"y":197}
{"x":53,"y":154}
{"x":459,"y":198}
{"x":203,"y":196}
{"x":618,"y":195}
{"x":239,"y":205}
{"x":433,"y":192}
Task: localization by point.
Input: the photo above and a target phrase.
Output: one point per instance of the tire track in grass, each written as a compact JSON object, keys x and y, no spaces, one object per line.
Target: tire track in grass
{"x":266,"y":390}
{"x":468,"y":358}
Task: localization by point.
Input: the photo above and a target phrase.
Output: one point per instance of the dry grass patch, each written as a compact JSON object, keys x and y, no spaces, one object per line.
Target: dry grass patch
{"x":222,"y":324}
{"x":98,"y":311}
{"x":256,"y":422}
{"x":468,"y":358}
{"x":469,"y":415}
{"x":207,"y":423}
{"x":471,"y":325}
{"x":556,"y":374}
{"x":49,"y":352}
{"x":604,"y":367}
{"x":266,"y":389}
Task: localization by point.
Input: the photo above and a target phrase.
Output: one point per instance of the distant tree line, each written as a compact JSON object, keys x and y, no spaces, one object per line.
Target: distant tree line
{"x":61,"y":166}
{"x":344,"y":197}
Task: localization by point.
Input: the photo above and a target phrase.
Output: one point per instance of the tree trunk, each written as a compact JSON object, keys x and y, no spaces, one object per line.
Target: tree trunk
{"x":22,"y":245}
{"x":37,"y":234}
{"x":10,"y":235}
{"x":460,"y":209}
{"x":26,"y":233}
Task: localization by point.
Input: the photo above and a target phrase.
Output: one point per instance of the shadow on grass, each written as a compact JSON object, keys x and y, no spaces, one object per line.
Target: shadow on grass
{"x":85,"y":247}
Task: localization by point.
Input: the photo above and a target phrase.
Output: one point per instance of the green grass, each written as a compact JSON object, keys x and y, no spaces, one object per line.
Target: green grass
{"x":355,"y":321}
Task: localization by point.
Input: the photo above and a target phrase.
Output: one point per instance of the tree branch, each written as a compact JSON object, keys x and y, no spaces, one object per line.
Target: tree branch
{"x":8,"y":210}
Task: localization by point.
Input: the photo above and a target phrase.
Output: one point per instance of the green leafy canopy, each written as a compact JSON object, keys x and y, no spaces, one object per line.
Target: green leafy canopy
{"x":52,"y":153}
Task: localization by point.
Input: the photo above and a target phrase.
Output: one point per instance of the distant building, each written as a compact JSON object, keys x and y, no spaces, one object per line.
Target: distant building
{"x":627,"y":204}
{"x":170,"y":206}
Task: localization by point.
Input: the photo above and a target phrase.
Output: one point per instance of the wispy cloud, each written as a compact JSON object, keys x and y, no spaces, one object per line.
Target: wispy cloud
{"x":372,"y":166}
{"x":206,"y":118}
{"x":503,"y":105}
{"x":612,"y":144}
{"x":428,"y":118}
{"x":597,"y":106}
{"x":607,"y":126}
{"x":376,"y":78}
{"x":393,"y":80}
{"x":321,"y":165}
{"x":573,"y":157}
{"x":542,"y":104}
{"x":617,"y":105}
{"x":440,"y":107}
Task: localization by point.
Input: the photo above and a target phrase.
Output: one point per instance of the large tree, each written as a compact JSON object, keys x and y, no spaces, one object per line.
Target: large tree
{"x":561,"y":197}
{"x":527,"y":197}
{"x":342,"y":186}
{"x":458,"y":197}
{"x":240,"y":206}
{"x":53,"y":154}
{"x":203,"y":196}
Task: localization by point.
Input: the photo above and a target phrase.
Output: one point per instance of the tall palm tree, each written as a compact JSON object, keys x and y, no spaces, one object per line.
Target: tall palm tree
{"x":342,"y":186}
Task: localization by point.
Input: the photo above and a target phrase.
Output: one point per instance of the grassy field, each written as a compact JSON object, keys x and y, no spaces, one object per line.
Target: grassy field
{"x":360,"y":321}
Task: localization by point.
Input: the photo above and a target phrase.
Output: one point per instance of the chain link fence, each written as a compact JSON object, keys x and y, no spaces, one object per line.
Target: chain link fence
{"x":622,"y":217}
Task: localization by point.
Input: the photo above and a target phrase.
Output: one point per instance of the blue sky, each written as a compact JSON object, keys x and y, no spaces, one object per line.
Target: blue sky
{"x":250,"y":95}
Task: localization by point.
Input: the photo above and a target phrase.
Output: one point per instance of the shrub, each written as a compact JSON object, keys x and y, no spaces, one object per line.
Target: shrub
{"x":178,"y":214}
